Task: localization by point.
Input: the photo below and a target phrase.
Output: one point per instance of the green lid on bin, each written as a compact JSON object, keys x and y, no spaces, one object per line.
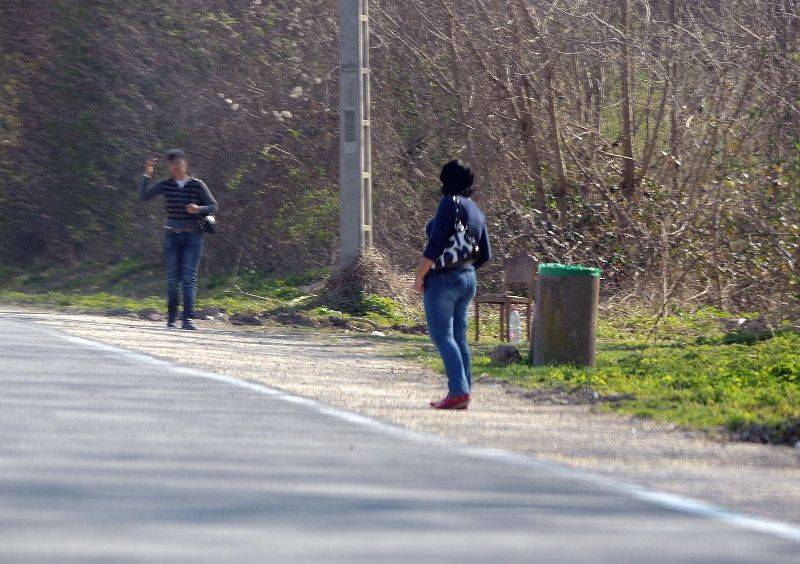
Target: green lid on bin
{"x":561,"y":270}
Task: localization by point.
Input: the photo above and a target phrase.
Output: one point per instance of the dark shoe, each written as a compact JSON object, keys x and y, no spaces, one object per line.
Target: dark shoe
{"x":452,"y":402}
{"x":188,"y":325}
{"x":171,"y":323}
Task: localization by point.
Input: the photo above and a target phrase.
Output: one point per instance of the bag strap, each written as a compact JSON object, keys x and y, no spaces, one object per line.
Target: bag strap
{"x":459,"y":211}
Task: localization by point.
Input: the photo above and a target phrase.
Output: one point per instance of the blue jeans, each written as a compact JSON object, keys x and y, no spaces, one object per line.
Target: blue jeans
{"x":447,"y":297}
{"x":182,"y":252}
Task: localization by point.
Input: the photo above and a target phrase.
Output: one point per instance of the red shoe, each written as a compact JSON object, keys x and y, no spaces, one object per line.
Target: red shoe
{"x":452,"y":402}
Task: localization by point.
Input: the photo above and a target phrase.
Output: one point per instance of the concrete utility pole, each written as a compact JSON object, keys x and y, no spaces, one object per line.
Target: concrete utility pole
{"x":355,"y":161}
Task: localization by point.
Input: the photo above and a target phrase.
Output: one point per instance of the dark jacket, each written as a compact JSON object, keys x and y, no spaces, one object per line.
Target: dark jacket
{"x":441,"y":227}
{"x":176,"y":198}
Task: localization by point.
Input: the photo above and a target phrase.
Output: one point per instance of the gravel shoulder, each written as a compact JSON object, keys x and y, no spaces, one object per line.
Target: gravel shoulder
{"x":357,"y":375}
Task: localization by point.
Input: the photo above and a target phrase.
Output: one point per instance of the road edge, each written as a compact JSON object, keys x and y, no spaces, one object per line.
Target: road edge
{"x":674,"y":502}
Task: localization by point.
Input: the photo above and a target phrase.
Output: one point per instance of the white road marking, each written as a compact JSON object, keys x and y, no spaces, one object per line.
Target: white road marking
{"x":666,"y":500}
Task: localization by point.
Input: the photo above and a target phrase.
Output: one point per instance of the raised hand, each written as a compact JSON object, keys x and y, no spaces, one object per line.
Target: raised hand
{"x":149,"y":167}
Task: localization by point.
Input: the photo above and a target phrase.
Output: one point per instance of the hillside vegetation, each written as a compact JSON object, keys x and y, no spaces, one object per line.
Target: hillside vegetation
{"x":656,"y":140}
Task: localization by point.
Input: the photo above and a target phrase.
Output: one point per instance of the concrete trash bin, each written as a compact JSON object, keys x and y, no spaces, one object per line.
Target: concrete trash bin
{"x":565,"y":319}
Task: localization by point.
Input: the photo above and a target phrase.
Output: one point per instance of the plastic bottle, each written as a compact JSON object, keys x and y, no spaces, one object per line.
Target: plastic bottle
{"x":514,"y":327}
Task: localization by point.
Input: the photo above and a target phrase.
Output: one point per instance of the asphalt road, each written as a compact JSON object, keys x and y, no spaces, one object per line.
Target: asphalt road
{"x":112,"y":456}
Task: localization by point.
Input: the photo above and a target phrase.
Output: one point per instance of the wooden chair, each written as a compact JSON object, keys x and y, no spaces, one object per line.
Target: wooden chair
{"x":517,"y":271}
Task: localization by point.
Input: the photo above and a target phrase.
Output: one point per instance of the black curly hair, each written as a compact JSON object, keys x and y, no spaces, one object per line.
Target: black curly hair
{"x":457,"y":179}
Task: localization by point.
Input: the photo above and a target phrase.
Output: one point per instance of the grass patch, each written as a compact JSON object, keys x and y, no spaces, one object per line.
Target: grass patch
{"x":689,"y":374}
{"x":276,"y":300}
{"x":99,"y":302}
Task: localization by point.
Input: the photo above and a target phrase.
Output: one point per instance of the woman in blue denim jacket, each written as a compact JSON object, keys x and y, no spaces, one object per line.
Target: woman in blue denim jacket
{"x":448,"y":292}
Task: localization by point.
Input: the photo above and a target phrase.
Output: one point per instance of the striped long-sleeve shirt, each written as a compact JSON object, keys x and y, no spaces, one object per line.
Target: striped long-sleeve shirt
{"x":176,"y":198}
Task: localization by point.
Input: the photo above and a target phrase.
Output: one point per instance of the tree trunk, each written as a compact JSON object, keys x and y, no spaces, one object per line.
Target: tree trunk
{"x":628,"y":165}
{"x":555,"y":141}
